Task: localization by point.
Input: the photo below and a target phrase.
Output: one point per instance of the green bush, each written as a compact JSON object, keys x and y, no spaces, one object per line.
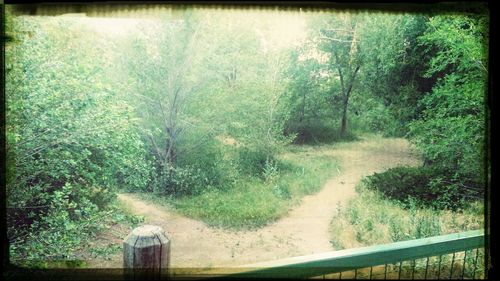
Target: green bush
{"x":428,"y":185}
{"x":318,"y":132}
{"x":252,"y":161}
{"x":181,"y":181}
{"x":70,"y":219}
{"x":371,"y":115}
{"x":70,"y":141}
{"x":451,"y":130}
{"x":206,"y":168}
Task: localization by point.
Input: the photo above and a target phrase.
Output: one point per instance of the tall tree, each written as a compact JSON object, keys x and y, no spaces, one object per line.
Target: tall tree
{"x":164,"y":57}
{"x":339,"y":37}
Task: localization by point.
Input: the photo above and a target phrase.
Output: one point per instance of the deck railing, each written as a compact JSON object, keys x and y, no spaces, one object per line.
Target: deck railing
{"x":452,"y":256}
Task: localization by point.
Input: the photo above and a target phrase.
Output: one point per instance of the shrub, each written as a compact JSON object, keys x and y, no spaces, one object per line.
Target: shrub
{"x":70,"y":141}
{"x":427,"y":185}
{"x":70,"y":219}
{"x":252,"y":161}
{"x":183,"y":181}
{"x":370,"y":115}
{"x":206,"y":168}
{"x":317,"y":132}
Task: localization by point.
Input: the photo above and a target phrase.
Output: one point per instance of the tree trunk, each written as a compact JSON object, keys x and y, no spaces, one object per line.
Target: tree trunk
{"x":170,"y":147}
{"x":347,"y":93}
{"x":171,"y":155}
{"x":303,"y":107}
{"x":343,"y":123}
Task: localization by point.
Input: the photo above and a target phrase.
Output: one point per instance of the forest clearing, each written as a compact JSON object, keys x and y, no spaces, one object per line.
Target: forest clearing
{"x":247,"y":135}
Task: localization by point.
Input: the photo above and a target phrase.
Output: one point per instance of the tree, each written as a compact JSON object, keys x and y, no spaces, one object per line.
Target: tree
{"x":451,"y":130}
{"x":197,"y":85}
{"x":339,"y":37}
{"x":308,"y":98}
{"x":394,"y":66}
{"x":163,"y":59}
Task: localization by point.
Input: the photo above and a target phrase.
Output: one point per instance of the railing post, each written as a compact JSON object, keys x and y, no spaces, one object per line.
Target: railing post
{"x":146,"y":254}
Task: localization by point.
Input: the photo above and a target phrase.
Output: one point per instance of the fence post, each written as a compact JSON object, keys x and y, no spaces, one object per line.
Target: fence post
{"x":146,"y":254}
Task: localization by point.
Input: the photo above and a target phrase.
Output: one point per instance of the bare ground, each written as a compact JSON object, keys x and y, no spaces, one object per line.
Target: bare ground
{"x":305,"y":230}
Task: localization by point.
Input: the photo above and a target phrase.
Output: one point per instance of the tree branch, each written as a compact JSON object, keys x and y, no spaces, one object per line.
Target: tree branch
{"x":338,"y":40}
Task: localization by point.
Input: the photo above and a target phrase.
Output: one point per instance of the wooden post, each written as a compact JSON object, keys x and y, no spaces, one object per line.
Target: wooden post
{"x":146,"y":254}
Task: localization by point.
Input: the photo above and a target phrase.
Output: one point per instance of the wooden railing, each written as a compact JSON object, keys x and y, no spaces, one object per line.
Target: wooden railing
{"x":451,"y":256}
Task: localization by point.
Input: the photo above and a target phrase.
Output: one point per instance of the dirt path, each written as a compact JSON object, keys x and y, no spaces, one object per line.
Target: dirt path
{"x":305,"y":230}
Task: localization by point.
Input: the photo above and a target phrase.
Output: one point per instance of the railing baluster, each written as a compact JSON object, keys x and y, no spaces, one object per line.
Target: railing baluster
{"x":385,"y":272}
{"x":371,"y":271}
{"x":439,"y":266}
{"x":399,"y":271}
{"x":451,"y":268}
{"x":463,"y":265}
{"x":426,"y":268}
{"x":475,"y":265}
{"x":414,"y":263}
{"x":340,"y":275}
{"x":355,"y":273}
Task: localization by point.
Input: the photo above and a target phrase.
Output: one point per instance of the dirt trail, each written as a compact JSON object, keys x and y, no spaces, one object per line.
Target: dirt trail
{"x":305,"y":230}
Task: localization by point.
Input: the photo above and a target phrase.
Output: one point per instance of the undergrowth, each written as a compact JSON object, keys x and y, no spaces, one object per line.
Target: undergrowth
{"x":371,"y":219}
{"x":57,"y":245}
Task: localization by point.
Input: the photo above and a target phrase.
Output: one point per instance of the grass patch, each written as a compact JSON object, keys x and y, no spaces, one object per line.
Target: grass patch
{"x":256,"y":201}
{"x":250,"y":204}
{"x":371,"y":219}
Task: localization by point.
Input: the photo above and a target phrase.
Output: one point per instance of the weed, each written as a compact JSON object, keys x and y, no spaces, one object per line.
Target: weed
{"x":106,"y":251}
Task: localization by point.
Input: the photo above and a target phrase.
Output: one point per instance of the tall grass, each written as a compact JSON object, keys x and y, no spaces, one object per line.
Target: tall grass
{"x":371,"y":219}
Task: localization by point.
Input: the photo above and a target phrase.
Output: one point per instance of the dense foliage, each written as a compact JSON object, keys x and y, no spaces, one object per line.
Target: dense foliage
{"x":450,"y":128}
{"x":70,"y":143}
{"x":199,"y":103}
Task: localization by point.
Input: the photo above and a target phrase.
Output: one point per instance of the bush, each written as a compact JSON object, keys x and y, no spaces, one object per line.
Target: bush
{"x":70,"y":141}
{"x":370,"y":115}
{"x":70,"y":219}
{"x":206,"y":168}
{"x":57,"y":241}
{"x":318,"y":132}
{"x":181,"y":181}
{"x":252,"y":161}
{"x":428,"y":185}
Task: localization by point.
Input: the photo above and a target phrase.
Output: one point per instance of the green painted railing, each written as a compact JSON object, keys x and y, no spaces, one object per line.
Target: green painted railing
{"x":459,"y":245}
